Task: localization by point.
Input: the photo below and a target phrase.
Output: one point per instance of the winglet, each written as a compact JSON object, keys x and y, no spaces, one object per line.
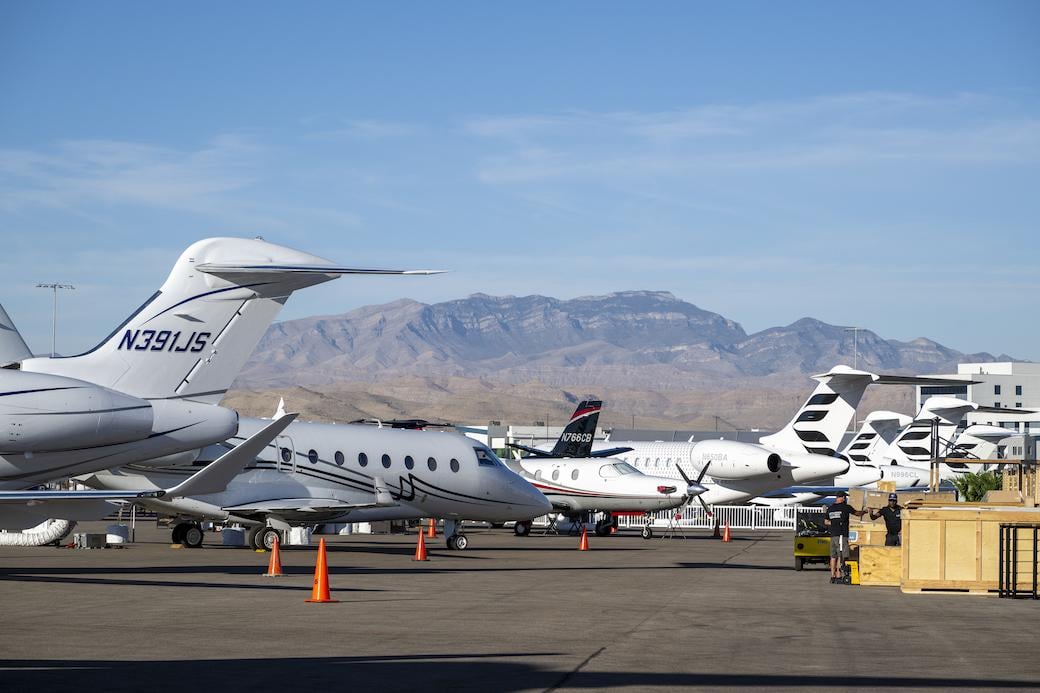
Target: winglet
{"x":214,"y":477}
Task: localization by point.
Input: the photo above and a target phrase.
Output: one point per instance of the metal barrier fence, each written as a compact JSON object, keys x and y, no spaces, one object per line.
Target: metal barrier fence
{"x":1018,"y":561}
{"x":738,"y":517}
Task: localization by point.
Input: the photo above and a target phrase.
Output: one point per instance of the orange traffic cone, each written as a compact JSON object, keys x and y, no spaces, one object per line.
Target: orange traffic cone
{"x":320,"y":591}
{"x":584,"y":545}
{"x":420,"y":549}
{"x":274,"y":566}
{"x":725,"y":533}
{"x":432,"y":531}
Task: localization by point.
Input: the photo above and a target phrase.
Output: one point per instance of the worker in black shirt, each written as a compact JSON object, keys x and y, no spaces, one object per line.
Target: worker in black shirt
{"x":893,"y":514}
{"x":838,"y":520}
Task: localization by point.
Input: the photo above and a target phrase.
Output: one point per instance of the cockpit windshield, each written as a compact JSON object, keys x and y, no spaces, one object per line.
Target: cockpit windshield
{"x":625,"y":468}
{"x":486,"y":457}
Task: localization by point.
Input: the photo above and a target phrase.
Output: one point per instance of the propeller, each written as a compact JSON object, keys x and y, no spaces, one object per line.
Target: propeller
{"x":694,"y":487}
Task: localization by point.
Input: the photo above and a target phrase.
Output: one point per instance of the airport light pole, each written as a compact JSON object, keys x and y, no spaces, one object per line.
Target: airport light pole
{"x":53,"y":286}
{"x":855,"y":365}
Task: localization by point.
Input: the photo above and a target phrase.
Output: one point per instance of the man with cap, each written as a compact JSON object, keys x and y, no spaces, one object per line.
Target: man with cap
{"x":838,"y":520}
{"x":893,"y":514}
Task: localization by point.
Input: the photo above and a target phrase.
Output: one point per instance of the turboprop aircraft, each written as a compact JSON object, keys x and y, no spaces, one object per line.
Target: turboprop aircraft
{"x":800,"y":453}
{"x":317,"y":473}
{"x":150,"y":389}
{"x":576,"y":480}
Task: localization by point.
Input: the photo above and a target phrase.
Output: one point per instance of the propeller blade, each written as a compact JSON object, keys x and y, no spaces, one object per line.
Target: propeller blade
{"x":682,"y":473}
{"x":704,"y":470}
{"x":704,"y":505}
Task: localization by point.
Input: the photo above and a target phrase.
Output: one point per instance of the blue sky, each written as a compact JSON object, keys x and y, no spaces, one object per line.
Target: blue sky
{"x":866,"y":164}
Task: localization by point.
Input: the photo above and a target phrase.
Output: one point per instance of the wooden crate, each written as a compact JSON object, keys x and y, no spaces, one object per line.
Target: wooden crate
{"x":955,"y":547}
{"x":880,"y":565}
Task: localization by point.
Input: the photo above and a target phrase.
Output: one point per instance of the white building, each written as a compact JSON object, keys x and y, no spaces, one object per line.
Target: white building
{"x":1007,"y":385}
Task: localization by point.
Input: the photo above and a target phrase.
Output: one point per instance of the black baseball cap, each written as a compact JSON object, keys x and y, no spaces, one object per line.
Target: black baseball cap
{"x":841,"y":494}
{"x":893,"y":496}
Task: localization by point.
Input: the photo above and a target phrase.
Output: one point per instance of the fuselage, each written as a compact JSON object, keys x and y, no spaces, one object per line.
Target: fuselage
{"x":310,"y":470}
{"x":661,"y":458}
{"x":576,"y":485}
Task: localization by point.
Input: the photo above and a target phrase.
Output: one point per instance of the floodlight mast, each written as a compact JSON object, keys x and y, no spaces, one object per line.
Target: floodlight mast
{"x":54,"y":286}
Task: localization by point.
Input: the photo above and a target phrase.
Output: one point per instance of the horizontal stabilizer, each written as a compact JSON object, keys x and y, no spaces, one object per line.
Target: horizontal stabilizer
{"x":37,"y":497}
{"x":921,"y":380}
{"x":610,"y":452}
{"x":223,"y":270}
{"x":215,"y":476}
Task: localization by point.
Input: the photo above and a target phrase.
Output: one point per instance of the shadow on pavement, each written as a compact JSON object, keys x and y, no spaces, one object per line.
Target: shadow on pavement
{"x":454,"y":672}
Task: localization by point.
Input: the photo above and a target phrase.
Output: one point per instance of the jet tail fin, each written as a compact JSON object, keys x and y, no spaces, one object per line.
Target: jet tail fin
{"x":576,"y":439}
{"x":194,"y":335}
{"x":12,"y":347}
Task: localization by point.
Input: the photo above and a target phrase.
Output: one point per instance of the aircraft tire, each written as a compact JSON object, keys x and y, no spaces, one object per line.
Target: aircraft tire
{"x":648,"y":533}
{"x":193,"y":537}
{"x":602,"y":529}
{"x":265,"y":538}
{"x":451,"y":542}
{"x":253,"y":538}
{"x":177,"y":535}
{"x":522,"y":529}
{"x":461,"y":542}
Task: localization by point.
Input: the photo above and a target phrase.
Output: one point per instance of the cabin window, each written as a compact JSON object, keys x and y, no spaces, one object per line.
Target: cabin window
{"x":362,"y":459}
{"x":312,"y":455}
{"x":339,"y":458}
{"x":386,"y":461}
{"x":408,"y":462}
{"x":286,"y":455}
{"x":454,"y":464}
{"x":432,"y":464}
{"x":538,"y":474}
{"x":574,"y":475}
{"x":555,"y":474}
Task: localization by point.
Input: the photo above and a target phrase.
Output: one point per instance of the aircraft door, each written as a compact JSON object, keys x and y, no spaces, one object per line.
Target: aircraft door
{"x":286,"y":454}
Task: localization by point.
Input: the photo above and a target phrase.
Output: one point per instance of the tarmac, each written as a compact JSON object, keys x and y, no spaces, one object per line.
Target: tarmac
{"x":508,"y":614}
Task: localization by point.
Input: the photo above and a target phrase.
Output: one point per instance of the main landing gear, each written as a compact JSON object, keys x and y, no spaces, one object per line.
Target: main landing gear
{"x":188,"y":534}
{"x":262,"y":538}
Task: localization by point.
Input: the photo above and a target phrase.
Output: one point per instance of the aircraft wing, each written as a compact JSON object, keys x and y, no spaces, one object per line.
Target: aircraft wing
{"x":299,"y":505}
{"x":382,"y":499}
{"x":214,"y":477}
{"x":534,"y":452}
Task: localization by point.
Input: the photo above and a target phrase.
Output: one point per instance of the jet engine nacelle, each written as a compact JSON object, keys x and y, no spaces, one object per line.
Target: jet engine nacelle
{"x":47,"y":413}
{"x":732,"y":460}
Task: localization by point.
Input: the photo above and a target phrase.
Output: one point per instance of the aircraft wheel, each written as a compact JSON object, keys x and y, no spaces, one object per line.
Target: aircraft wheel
{"x":522,"y":529}
{"x":799,"y":562}
{"x":451,"y":542}
{"x":602,"y":529}
{"x":461,"y":542}
{"x":193,"y":536}
{"x":253,"y":537}
{"x":648,"y":533}
{"x":265,"y":538}
{"x":179,"y":529}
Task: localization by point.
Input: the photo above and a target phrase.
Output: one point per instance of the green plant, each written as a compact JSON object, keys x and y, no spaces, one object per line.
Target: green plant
{"x":972,"y":487}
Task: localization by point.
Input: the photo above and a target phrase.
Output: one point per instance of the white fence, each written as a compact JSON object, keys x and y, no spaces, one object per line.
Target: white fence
{"x":738,"y":517}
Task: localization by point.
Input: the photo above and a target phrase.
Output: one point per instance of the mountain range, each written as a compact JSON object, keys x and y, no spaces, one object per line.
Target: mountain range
{"x":631,"y":338}
{"x":658,"y":361}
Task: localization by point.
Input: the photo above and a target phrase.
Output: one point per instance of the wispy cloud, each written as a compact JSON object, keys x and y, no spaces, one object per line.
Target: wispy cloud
{"x":120,"y":172}
{"x":826,"y":132}
{"x":367,"y":130}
